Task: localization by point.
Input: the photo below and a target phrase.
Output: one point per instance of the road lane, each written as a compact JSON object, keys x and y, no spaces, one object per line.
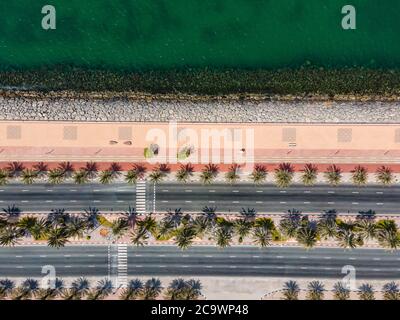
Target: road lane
{"x":237,"y":261}
{"x":193,"y":197}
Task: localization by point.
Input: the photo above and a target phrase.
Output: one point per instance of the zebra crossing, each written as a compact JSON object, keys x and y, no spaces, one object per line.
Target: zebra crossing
{"x":122,"y":265}
{"x":141,"y":196}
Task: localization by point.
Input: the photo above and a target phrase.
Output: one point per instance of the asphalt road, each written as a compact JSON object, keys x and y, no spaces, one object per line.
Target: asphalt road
{"x":193,"y":197}
{"x":75,"y":261}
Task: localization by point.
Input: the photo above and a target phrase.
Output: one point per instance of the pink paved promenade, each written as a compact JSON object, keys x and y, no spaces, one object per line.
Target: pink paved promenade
{"x":270,"y":144}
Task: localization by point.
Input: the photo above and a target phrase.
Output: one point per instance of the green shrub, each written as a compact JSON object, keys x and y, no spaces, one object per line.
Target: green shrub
{"x":148,"y":153}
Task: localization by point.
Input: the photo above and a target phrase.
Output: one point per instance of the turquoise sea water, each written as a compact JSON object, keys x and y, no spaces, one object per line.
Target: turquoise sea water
{"x":163,"y":34}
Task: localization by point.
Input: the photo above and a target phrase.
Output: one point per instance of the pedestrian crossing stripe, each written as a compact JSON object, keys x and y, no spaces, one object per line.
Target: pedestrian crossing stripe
{"x":122,"y":268}
{"x":141,"y":196}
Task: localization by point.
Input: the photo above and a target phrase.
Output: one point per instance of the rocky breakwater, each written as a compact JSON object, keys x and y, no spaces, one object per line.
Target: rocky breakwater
{"x":224,"y":111}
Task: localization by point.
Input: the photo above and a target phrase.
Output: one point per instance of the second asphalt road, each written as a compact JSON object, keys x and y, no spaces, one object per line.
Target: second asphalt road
{"x":90,"y":261}
{"x":193,"y":197}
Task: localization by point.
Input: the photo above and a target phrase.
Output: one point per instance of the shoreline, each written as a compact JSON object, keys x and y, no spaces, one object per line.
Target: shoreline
{"x":15,"y":92}
{"x":307,"y":83}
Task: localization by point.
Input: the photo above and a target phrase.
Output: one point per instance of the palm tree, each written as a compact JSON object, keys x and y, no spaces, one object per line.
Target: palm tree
{"x":262,"y":236}
{"x":291,"y":290}
{"x":57,"y":237}
{"x":91,"y":169}
{"x":309,"y":175}
{"x":316,"y":290}
{"x":131,"y":177}
{"x":133,"y":290}
{"x":387,"y":234}
{"x":52,"y":293}
{"x":165,"y":229}
{"x":333,"y":175}
{"x":366,"y":215}
{"x":366,"y":229}
{"x":348,"y":239}
{"x":192,"y":290}
{"x":101,"y":291}
{"x":91,"y":215}
{"x":156,"y":176}
{"x":106,"y":177}
{"x":140,"y":170}
{"x":366,"y":292}
{"x":148,"y":223}
{"x":232,"y":176}
{"x":224,"y":234}
{"x":80,"y":177}
{"x":185,"y":172}
{"x":58,"y":217}
{"x":109,"y":175}
{"x":41,"y":169}
{"x":11,"y":212}
{"x":359,"y":175}
{"x":185,"y":236}
{"x":164,"y":168}
{"x":26,"y":224}
{"x":307,"y":235}
{"x":210,"y":214}
{"x":79,"y":288}
{"x":115,"y":170}
{"x":137,"y":172}
{"x":27,"y":290}
{"x":384,"y":175}
{"x":201,"y":225}
{"x":340,"y":291}
{"x":259,"y":174}
{"x":4,"y":175}
{"x":15,"y":169}
{"x":66,"y":169}
{"x":131,"y":216}
{"x":119,"y":227}
{"x":152,"y":289}
{"x":248,"y":214}
{"x":76,"y":227}
{"x":242,"y":228}
{"x":28,"y":176}
{"x":391,"y":291}
{"x":39,"y":229}
{"x":139,"y":237}
{"x":284,"y":175}
{"x":145,"y":227}
{"x":327,"y":226}
{"x":290,"y":223}
{"x":6,"y":288}
{"x":55,"y":176}
{"x":174,"y":216}
{"x":10,"y":235}
{"x":209,"y":173}
{"x":176,"y":289}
